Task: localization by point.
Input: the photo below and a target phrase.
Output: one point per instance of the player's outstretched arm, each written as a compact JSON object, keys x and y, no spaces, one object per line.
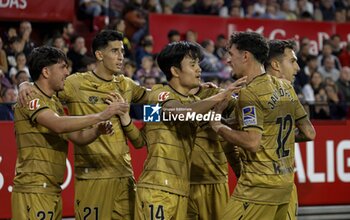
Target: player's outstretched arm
{"x":84,"y":137}
{"x":64,"y":124}
{"x":305,"y":131}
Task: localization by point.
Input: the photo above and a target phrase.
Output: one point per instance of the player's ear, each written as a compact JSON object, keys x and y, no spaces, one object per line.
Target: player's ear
{"x":174,"y":71}
{"x":45,"y":72}
{"x":99,"y":55}
{"x":275,"y":65}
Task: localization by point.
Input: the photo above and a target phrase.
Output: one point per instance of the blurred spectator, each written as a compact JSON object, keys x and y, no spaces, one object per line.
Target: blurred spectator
{"x":25,"y":31}
{"x":321,"y":109}
{"x":328,"y":69}
{"x":191,"y":36}
{"x":167,"y":9}
{"x":174,"y":36}
{"x":327,"y":9}
{"x":135,"y":20}
{"x":259,"y":8}
{"x":91,"y":7}
{"x":145,"y":49}
{"x":335,"y":42}
{"x":235,"y":12}
{"x":119,"y":25}
{"x":340,"y":15}
{"x":130,"y":70}
{"x":149,"y":82}
{"x":210,"y":62}
{"x":344,"y":56}
{"x":343,"y":84}
{"x":184,"y":7}
{"x":152,"y":6}
{"x":67,"y":33}
{"x":8,"y":97}
{"x":21,"y":76}
{"x":305,"y":6}
{"x":21,"y":62}
{"x":287,"y":11}
{"x":337,"y":106}
{"x":77,"y":53}
{"x":89,"y":64}
{"x":58,"y":42}
{"x":250,"y":13}
{"x":272,"y":12}
{"x":206,"y":7}
{"x":13,"y":49}
{"x":11,"y":33}
{"x":327,"y":52}
{"x":3,"y":58}
{"x":220,"y":46}
{"x":303,"y":54}
{"x":147,"y":69}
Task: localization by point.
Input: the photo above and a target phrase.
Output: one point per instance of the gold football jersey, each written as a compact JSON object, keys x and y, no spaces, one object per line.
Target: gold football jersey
{"x":169,"y":145}
{"x":270,"y":106}
{"x":108,"y":156}
{"x":41,"y":154}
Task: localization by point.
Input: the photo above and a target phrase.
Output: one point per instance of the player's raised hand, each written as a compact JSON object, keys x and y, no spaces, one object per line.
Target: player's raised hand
{"x":105,"y":127}
{"x":221,"y":106}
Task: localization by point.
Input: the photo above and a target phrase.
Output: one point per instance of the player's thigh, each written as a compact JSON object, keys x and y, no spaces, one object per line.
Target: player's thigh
{"x":239,"y":210}
{"x":157,"y":204}
{"x":124,"y":200}
{"x":36,"y":206}
{"x":207,"y":201}
{"x":293,"y":205}
{"x":94,"y":198}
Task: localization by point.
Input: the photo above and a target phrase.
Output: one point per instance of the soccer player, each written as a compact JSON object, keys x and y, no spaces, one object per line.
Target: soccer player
{"x":268,"y":110}
{"x":209,"y":191}
{"x":163,"y":187}
{"x":41,"y":145}
{"x":104,"y":182}
{"x":282,"y":63}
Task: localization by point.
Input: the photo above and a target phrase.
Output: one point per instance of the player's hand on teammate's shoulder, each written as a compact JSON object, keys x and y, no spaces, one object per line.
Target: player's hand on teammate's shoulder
{"x":26,"y":93}
{"x":105,"y":127}
{"x":237,"y":85}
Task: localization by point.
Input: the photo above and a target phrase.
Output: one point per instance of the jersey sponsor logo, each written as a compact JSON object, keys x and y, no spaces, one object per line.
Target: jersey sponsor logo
{"x":249,"y":116}
{"x":151,"y":113}
{"x":93,"y":99}
{"x":34,"y":104}
{"x":163,"y":96}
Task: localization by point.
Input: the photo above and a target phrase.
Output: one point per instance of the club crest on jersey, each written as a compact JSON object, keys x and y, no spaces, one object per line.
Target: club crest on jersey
{"x":34,"y":104}
{"x":163,"y":96}
{"x":93,"y":99}
{"x":249,"y":116}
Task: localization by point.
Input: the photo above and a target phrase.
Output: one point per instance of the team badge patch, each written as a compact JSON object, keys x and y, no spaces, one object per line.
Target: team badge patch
{"x":93,"y":99}
{"x":249,"y":116}
{"x":163,"y":96}
{"x":34,"y":104}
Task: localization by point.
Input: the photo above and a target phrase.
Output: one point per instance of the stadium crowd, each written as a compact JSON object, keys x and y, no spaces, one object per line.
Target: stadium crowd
{"x":322,"y":83}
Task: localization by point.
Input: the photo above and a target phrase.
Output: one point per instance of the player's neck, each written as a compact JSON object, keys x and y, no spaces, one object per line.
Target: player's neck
{"x":44,"y":88}
{"x":103,"y":73}
{"x":180,"y":89}
{"x":254,"y":71}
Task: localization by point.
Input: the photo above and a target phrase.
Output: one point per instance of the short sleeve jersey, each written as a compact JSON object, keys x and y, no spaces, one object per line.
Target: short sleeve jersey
{"x":41,"y":154}
{"x":209,"y":163}
{"x":108,"y":156}
{"x":169,"y":145}
{"x":270,"y":106}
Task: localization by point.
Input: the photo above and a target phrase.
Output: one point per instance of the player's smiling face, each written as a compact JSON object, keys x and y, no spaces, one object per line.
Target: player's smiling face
{"x":190,"y":73}
{"x":113,"y":56}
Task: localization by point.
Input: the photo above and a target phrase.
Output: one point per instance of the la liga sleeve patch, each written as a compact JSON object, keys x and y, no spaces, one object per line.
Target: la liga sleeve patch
{"x":249,"y":116}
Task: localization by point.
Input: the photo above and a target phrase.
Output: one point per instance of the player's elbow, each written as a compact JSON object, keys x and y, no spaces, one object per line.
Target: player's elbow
{"x":253,"y":146}
{"x":311,"y":134}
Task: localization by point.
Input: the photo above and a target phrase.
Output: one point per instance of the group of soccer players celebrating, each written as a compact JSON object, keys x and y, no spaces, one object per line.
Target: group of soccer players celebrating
{"x":185,"y":175}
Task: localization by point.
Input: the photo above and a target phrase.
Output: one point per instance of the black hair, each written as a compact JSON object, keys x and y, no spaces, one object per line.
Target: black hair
{"x":174,"y":53}
{"x":42,"y":57}
{"x":101,"y":39}
{"x":252,"y":42}
{"x":276,"y":49}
